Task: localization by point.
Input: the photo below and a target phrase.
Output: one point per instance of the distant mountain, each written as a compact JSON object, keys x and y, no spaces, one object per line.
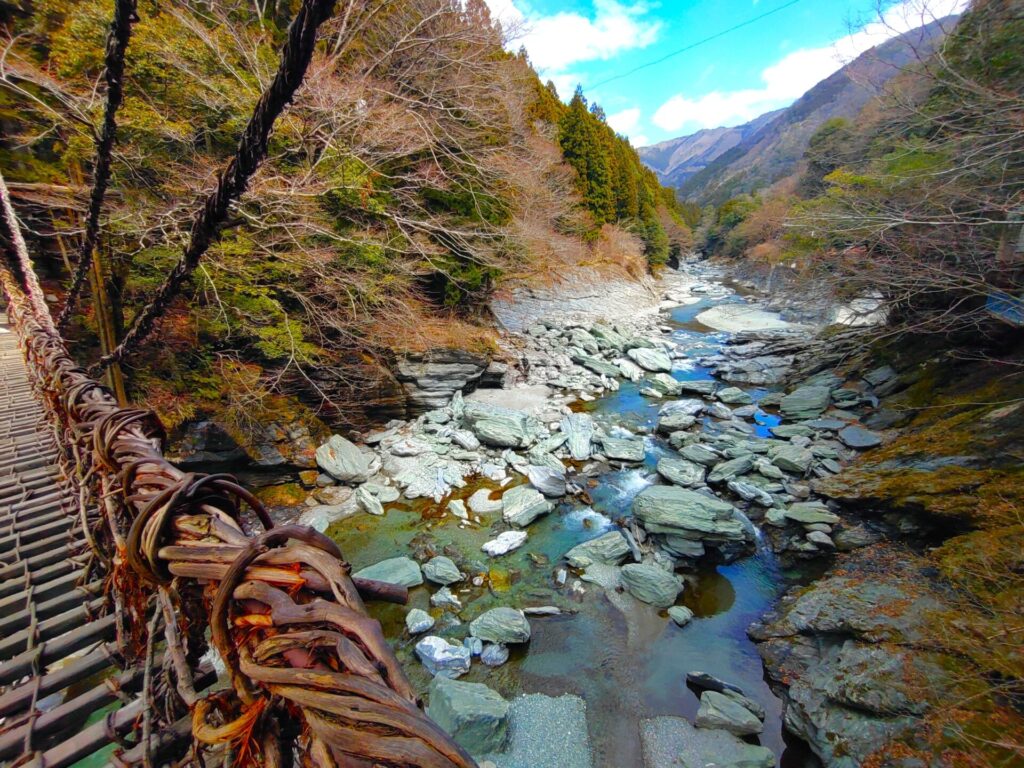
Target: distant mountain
{"x":716,"y":164}
{"x":676,"y":160}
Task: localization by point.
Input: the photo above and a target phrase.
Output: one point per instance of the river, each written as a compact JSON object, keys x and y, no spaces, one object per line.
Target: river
{"x":624,"y":658}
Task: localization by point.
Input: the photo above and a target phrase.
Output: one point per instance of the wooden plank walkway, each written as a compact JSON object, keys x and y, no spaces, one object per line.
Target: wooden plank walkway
{"x":57,"y":649}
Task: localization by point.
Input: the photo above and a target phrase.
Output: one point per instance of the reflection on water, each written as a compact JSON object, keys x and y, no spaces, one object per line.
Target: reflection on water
{"x":709,"y":594}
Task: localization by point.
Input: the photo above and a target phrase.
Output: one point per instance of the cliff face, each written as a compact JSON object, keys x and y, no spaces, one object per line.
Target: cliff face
{"x":714,"y":165}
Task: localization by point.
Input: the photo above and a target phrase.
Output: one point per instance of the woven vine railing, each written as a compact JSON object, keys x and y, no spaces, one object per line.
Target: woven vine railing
{"x":311,"y":674}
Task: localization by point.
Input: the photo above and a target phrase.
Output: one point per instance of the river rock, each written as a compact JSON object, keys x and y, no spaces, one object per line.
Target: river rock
{"x":418,"y":621}
{"x":720,"y":711}
{"x":700,"y":454}
{"x":579,"y":431}
{"x":672,"y":742}
{"x":501,"y":625}
{"x":597,"y":365}
{"x":500,"y":427}
{"x":664,"y":385}
{"x":368,"y":502}
{"x":471,"y":713}
{"x":856,"y":537}
{"x":482,"y":503}
{"x":734,"y":396}
{"x":859,"y":437}
{"x":629,"y":369}
{"x":623,"y":449}
{"x":650,"y":359}
{"x":548,"y":480}
{"x":608,"y":338}
{"x":521,"y":505}
{"x":679,"y":414}
{"x":680,"y":614}
{"x":581,"y":338}
{"x":791,"y":458}
{"x":345,"y":461}
{"x":396,"y":570}
{"x":751,"y":492}
{"x":445,"y":598}
{"x":442,"y":658}
{"x":610,"y":549}
{"x":505,"y":543}
{"x":730,"y":470}
{"x":808,"y":512}
{"x":442,"y":570}
{"x":678,"y":511}
{"x":428,"y":475}
{"x":494,"y":654}
{"x":650,"y":584}
{"x":707,"y":682}
{"x":681,"y":472}
{"x":807,"y":402}
{"x":704,"y":387}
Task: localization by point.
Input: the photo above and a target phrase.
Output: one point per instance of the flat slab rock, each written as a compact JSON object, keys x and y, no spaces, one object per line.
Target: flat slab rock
{"x":546,"y":732}
{"x":672,"y":742}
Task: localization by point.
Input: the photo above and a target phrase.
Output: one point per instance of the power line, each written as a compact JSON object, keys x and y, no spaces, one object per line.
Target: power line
{"x":691,"y":46}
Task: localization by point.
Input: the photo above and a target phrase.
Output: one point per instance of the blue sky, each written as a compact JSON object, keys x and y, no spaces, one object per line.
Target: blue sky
{"x":728,"y":81}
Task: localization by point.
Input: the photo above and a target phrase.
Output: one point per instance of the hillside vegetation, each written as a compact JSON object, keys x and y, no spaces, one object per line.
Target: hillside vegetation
{"x":420,"y":167}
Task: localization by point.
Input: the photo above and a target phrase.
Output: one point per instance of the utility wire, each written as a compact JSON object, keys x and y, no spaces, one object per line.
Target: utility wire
{"x":691,"y":46}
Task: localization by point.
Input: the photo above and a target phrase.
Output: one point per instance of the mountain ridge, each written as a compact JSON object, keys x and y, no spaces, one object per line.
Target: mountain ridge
{"x":771,"y":146}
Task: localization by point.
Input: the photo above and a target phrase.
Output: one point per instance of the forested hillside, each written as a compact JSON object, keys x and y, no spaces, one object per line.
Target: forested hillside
{"x":419,"y":168}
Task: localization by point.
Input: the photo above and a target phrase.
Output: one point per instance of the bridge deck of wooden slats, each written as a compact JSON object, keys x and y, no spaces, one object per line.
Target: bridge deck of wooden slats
{"x":58,"y":661}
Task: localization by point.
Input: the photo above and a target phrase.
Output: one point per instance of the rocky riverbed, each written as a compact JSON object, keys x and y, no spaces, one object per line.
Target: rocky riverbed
{"x":603,"y":542}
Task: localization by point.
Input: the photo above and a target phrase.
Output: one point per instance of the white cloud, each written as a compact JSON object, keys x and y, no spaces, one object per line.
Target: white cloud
{"x":625,"y":121}
{"x":557,"y":41}
{"x":793,"y":75}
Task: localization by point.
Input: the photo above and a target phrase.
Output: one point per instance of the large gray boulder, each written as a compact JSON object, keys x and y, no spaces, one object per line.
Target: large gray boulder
{"x":418,"y":621}
{"x":345,"y":461}
{"x":501,"y":625}
{"x":442,"y":570}
{"x":791,"y":458}
{"x":734,"y":396}
{"x":579,"y":431}
{"x":731,"y":469}
{"x":650,"y":584}
{"x":678,"y":511}
{"x":700,"y":454}
{"x":810,"y":513}
{"x":807,"y":402}
{"x":718,"y":710}
{"x":597,"y":365}
{"x":500,"y":427}
{"x":396,"y":570}
{"x":623,"y":449}
{"x":547,"y":479}
{"x":650,"y":359}
{"x":679,"y":414}
{"x":857,"y":437}
{"x":442,"y":658}
{"x":609,"y":549}
{"x":521,"y":505}
{"x":681,"y":471}
{"x":473,"y":714}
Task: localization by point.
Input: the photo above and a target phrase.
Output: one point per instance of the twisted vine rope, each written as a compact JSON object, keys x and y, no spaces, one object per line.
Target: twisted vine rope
{"x":311,"y":672}
{"x":117,"y":44}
